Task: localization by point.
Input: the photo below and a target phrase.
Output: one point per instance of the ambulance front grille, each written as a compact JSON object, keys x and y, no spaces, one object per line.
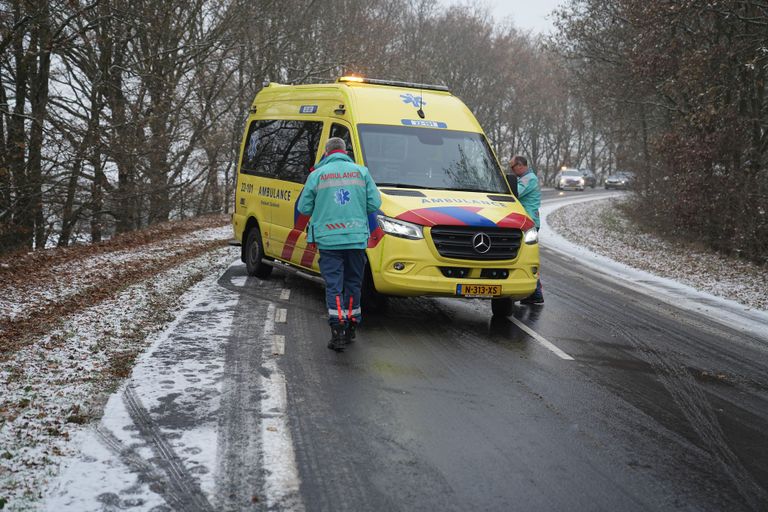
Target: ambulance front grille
{"x":459,"y":242}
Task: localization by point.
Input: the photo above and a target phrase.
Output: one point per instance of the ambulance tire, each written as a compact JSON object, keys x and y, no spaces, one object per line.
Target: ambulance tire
{"x":502,"y":306}
{"x":370,"y":300}
{"x":254,"y":252}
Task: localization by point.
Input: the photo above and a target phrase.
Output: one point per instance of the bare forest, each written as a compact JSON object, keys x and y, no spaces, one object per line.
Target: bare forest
{"x":118,"y":114}
{"x":681,"y":86}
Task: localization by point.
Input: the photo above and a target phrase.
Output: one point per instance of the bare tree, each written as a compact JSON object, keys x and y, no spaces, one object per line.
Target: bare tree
{"x":687,"y":84}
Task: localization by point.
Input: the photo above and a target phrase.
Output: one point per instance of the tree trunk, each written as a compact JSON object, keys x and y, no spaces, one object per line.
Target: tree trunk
{"x":39,"y":84}
{"x":159,"y":148}
{"x":6,"y":196}
{"x":97,"y":204}
{"x":20,"y":222}
{"x":68,"y":218}
{"x":122,"y":141}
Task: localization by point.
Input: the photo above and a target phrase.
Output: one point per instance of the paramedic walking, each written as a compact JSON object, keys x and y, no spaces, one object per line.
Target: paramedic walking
{"x":529,"y":195}
{"x":339,"y":195}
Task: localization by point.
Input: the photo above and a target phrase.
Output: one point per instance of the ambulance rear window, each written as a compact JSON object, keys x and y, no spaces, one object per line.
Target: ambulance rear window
{"x":441,"y":159}
{"x":282,"y":149}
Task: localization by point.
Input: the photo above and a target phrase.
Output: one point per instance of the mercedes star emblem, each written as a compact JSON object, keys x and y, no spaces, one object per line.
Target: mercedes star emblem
{"x":482,"y":243}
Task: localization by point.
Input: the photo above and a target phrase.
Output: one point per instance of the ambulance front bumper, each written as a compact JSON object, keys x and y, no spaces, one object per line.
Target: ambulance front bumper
{"x":405,"y":267}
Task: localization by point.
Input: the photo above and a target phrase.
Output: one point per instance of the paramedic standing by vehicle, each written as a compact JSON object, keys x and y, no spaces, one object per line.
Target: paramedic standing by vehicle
{"x":529,"y":195}
{"x":339,"y":195}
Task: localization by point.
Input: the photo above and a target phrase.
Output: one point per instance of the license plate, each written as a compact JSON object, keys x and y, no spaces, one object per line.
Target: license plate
{"x":478,"y":290}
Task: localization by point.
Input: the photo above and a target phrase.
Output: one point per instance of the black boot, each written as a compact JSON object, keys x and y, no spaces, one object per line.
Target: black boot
{"x":349,"y":333}
{"x":336,"y":343}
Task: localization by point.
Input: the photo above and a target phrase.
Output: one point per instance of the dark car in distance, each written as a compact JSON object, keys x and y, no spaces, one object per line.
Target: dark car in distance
{"x":590,"y":180}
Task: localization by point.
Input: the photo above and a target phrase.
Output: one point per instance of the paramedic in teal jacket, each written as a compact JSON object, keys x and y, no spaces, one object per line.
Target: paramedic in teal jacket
{"x":338,"y":196}
{"x":529,"y":195}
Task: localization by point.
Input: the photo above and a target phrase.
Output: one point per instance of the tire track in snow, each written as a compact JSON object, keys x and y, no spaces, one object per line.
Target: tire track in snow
{"x":159,"y":483}
{"x":180,"y":480}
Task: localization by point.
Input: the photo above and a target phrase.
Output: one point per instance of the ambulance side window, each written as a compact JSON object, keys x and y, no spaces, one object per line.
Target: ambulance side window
{"x":342,"y":132}
{"x":282,"y":149}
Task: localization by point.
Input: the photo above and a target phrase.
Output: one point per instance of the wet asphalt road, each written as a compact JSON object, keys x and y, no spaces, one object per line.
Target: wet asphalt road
{"x":438,"y":406}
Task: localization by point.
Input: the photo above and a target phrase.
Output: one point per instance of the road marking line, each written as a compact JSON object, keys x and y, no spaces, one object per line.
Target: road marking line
{"x":285,"y":294}
{"x":281,"y":315}
{"x":281,"y":478}
{"x":278,"y":344}
{"x":269,"y":321}
{"x":547,"y":344}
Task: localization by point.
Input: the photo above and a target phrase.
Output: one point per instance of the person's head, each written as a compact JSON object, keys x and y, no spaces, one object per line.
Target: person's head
{"x":518,"y":165}
{"x":335,"y":144}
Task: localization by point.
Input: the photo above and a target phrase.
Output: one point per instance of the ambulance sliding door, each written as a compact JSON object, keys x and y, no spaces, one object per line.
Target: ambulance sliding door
{"x":297,"y":146}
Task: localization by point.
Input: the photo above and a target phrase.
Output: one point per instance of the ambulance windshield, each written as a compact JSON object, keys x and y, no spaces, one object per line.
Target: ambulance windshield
{"x":411,"y":157}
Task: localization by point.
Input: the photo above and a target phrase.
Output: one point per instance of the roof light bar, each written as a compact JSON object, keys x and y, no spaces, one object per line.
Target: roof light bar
{"x":394,"y":83}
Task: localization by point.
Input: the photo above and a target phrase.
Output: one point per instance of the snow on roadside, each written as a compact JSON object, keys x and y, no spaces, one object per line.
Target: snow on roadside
{"x":18,"y":299}
{"x":61,"y":381}
{"x":178,"y":379}
{"x":600,"y":227}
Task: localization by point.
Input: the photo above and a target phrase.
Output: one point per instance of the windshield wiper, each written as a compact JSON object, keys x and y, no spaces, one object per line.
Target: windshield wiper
{"x":426,"y":187}
{"x":480,"y":191}
{"x":398,"y":185}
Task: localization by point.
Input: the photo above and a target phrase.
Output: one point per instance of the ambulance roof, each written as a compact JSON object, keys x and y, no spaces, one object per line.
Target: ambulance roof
{"x":384,"y":102}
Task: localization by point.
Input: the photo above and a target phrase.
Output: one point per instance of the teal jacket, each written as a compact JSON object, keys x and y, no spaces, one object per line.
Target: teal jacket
{"x":529,"y":194}
{"x":339,"y":195}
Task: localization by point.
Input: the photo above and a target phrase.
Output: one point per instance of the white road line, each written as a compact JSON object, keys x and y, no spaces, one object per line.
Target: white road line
{"x":281,"y":315}
{"x":278,"y":344}
{"x":285,"y":294}
{"x":546,"y":343}
{"x":239,"y":280}
{"x":281,"y":485}
{"x":269,"y":321}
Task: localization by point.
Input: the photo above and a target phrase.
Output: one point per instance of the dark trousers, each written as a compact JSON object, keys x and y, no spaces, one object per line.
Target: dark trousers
{"x":538,"y":294}
{"x":343,"y":274}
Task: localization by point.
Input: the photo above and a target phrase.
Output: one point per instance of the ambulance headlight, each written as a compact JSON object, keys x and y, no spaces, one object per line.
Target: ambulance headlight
{"x":400,"y":228}
{"x":531,"y":236}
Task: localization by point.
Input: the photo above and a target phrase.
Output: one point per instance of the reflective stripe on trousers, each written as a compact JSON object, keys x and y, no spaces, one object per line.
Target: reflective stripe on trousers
{"x":342,"y":271}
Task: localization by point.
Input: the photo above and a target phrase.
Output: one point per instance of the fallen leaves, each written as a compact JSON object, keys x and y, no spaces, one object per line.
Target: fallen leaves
{"x":39,"y":305}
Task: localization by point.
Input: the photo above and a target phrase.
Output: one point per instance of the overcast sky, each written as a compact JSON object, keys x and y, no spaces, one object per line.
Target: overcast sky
{"x":526,"y":14}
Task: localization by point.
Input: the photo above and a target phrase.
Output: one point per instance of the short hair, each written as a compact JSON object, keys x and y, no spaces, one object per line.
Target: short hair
{"x":334,"y":144}
{"x":520,"y":160}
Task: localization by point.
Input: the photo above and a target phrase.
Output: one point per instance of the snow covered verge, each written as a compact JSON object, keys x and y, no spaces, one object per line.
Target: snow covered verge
{"x":600,"y":227}
{"x":71,"y":325}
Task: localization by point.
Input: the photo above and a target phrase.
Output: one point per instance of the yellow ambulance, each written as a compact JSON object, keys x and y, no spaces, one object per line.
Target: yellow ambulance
{"x":448,"y":225}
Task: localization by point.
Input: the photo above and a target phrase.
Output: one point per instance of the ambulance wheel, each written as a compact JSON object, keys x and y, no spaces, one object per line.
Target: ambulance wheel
{"x":254,"y":252}
{"x":370,"y":299}
{"x":502,"y":306}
